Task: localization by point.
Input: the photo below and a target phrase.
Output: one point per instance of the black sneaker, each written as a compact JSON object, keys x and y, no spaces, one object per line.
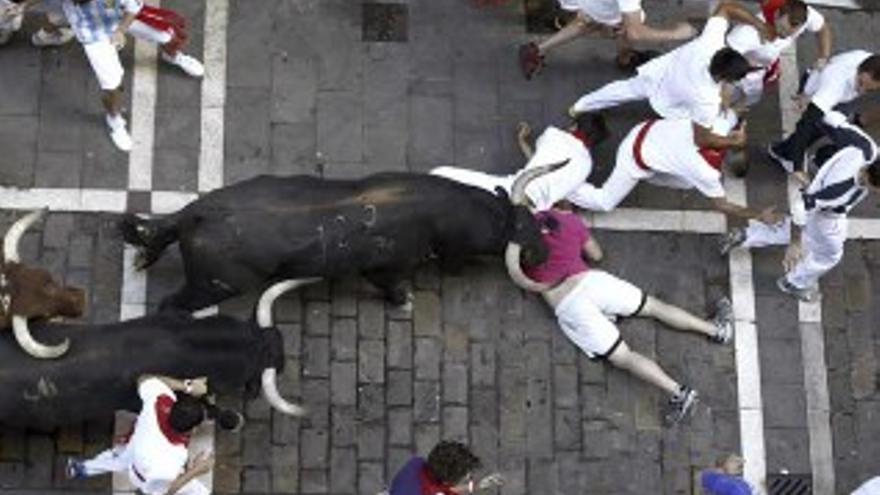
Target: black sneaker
{"x":74,"y":469}
{"x":723,"y":321}
{"x":805,"y":295}
{"x":681,"y":404}
{"x":530,"y":60}
{"x":780,"y":160}
{"x":732,"y":239}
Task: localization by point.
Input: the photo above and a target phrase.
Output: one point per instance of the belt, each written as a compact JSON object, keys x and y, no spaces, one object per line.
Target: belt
{"x":138,"y":474}
{"x":637,"y":145}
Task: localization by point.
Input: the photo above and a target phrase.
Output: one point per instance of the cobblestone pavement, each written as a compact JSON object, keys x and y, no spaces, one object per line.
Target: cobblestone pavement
{"x":475,"y":359}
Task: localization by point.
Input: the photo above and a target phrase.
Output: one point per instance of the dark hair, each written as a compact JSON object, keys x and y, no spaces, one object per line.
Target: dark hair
{"x":186,"y":413}
{"x":796,"y":10}
{"x":593,"y":125}
{"x":729,"y":65}
{"x":871,"y":66}
{"x":451,"y":461}
{"x":874,"y":173}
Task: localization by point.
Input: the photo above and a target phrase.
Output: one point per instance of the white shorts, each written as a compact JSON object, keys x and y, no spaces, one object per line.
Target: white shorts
{"x":104,"y":58}
{"x":585,"y":314}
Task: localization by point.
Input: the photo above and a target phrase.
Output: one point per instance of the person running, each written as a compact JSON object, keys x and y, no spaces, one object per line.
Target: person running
{"x":101,"y":27}
{"x":587,"y":301}
{"x":845,"y":77}
{"x":155,"y":456}
{"x":621,"y":19}
{"x":663,"y":153}
{"x":816,"y":231}
{"x":687,"y":82}
{"x":789,"y":19}
{"x":448,"y":470}
{"x":725,"y":478}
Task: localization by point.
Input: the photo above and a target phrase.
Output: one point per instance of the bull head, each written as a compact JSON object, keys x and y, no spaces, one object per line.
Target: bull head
{"x":30,"y":293}
{"x":265,"y":320}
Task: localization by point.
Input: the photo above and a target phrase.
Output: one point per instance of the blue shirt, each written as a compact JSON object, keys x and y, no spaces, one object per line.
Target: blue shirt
{"x":97,"y":19}
{"x":715,"y":483}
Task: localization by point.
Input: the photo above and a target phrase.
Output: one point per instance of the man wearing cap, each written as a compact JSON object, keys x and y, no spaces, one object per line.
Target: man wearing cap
{"x":687,"y":82}
{"x":554,"y":146}
{"x":789,"y":19}
{"x":623,"y":19}
{"x":663,"y":153}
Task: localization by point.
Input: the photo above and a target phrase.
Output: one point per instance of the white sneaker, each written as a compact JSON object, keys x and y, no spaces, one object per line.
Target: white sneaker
{"x":118,"y":133}
{"x":43,"y":38}
{"x":187,"y":64}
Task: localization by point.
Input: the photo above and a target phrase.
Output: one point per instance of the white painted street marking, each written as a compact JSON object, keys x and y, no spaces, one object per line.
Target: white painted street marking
{"x":841,"y":4}
{"x":143,"y":114}
{"x":213,"y":96}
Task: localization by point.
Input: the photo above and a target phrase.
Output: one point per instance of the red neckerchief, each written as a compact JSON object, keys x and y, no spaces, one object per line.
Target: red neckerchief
{"x":431,"y":485}
{"x":769,"y":8}
{"x":163,"y":411}
{"x":713,"y":156}
{"x":582,"y":137}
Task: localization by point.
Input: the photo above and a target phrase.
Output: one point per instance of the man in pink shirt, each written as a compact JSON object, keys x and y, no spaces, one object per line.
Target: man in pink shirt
{"x":587,"y":301}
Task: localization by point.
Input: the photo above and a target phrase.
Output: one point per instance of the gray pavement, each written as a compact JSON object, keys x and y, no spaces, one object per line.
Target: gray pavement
{"x":475,"y":360}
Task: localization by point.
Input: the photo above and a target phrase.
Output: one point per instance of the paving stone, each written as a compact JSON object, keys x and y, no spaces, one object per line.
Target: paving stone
{"x":427,"y":436}
{"x":371,"y":318}
{"x":371,"y":361}
{"x":340,"y":126}
{"x":426,"y":401}
{"x":427,"y":315}
{"x":314,"y":448}
{"x":313,"y":481}
{"x":781,"y":362}
{"x":787,"y":448}
{"x":316,"y":393}
{"x":483,"y":365}
{"x":539,"y":402}
{"x":427,"y":358}
{"x":285,"y":430}
{"x":455,"y":423}
{"x":343,"y":471}
{"x":58,"y":168}
{"x":343,"y":426}
{"x":455,"y":383}
{"x":399,"y":344}
{"x":399,"y":388}
{"x":255,"y":437}
{"x":316,"y":362}
{"x":256,"y":480}
{"x":294,"y":149}
{"x":788,"y":406}
{"x":292,"y":334}
{"x":397,"y":458}
{"x":371,"y":441}
{"x":457,"y":343}
{"x":317,"y":318}
{"x":285,"y":469}
{"x":294,"y":88}
{"x":248,"y":134}
{"x":370,"y":479}
{"x":371,"y":402}
{"x":343,"y":384}
{"x":484,"y":407}
{"x":400,"y":421}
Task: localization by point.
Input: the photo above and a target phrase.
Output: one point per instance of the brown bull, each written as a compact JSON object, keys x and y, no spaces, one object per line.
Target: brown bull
{"x":28,"y":293}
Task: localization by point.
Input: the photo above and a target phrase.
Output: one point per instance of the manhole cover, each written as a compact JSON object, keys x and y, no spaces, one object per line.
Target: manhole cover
{"x":385,"y":22}
{"x":789,"y":484}
{"x":545,"y":16}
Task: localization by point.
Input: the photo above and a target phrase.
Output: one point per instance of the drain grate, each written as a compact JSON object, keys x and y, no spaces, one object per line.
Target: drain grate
{"x":385,"y":22}
{"x":789,"y":484}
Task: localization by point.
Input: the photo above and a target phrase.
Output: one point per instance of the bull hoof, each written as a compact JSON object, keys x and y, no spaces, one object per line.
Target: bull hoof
{"x":403,"y":300}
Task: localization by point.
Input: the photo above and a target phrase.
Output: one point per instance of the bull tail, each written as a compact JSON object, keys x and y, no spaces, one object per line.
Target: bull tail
{"x":152,"y":236}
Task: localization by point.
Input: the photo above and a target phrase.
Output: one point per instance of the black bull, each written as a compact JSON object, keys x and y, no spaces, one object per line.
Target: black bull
{"x":99,"y":372}
{"x":238,"y":238}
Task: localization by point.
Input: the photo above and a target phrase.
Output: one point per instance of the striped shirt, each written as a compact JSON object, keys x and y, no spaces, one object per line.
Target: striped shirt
{"x":96,"y":20}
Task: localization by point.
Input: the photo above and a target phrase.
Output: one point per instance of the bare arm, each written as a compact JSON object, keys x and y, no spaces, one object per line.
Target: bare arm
{"x":823,"y":42}
{"x":201,"y":465}
{"x":767,"y":215}
{"x":705,"y":138}
{"x":511,"y":260}
{"x":636,"y":30}
{"x":196,"y":387}
{"x":593,"y":250}
{"x":736,"y":12}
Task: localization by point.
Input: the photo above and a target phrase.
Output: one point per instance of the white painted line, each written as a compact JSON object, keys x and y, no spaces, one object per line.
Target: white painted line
{"x":211,"y":167}
{"x":133,"y":303}
{"x":143,"y":114}
{"x":809,"y":319}
{"x":841,"y":4}
{"x":691,"y":221}
{"x":165,"y":202}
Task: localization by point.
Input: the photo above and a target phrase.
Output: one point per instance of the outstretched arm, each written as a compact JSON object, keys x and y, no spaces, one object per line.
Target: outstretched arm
{"x":705,"y":138}
{"x":195,"y":387}
{"x":737,"y":12}
{"x":634,"y":29}
{"x":768,"y":215}
{"x":823,"y":43}
{"x":511,"y":260}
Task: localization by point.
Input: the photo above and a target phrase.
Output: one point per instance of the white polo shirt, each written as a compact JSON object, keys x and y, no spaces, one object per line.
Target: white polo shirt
{"x":836,"y":82}
{"x":668,"y":150}
{"x":556,"y":146}
{"x":679,"y":84}
{"x":746,"y":39}
{"x":158,"y":455}
{"x":608,"y":12}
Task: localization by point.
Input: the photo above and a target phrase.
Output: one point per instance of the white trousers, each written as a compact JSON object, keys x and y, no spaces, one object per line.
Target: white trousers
{"x":119,"y":459}
{"x":822,"y":239}
{"x":613,"y":94}
{"x":553,"y":146}
{"x":104,"y":58}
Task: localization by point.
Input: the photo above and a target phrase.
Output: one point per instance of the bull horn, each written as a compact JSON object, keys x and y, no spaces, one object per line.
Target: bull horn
{"x":514,"y":269}
{"x":31,"y":346}
{"x":265,"y":320}
{"x":13,"y":235}
{"x":518,"y":189}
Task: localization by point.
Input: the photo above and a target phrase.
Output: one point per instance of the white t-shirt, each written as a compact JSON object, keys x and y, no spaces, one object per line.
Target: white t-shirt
{"x":7,"y":22}
{"x":836,"y":82}
{"x":668,"y":150}
{"x":679,"y":83}
{"x":608,"y":12}
{"x":154,"y":456}
{"x":870,"y":487}
{"x":556,"y":146}
{"x":746,"y":40}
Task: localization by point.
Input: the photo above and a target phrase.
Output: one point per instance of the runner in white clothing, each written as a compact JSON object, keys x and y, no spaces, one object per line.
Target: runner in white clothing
{"x":155,"y":454}
{"x":789,"y":19}
{"x":552,"y":146}
{"x":686,"y":83}
{"x":817,"y":229}
{"x":662,"y":152}
{"x":621,"y":19}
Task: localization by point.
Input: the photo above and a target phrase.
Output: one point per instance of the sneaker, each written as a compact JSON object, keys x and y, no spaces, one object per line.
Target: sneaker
{"x":783,"y":162}
{"x":43,"y":38}
{"x":681,"y":404}
{"x":530,"y":60}
{"x":118,"y":133}
{"x":190,"y":65}
{"x":723,"y":321}
{"x":732,"y":239}
{"x":74,"y":469}
{"x":805,"y":295}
